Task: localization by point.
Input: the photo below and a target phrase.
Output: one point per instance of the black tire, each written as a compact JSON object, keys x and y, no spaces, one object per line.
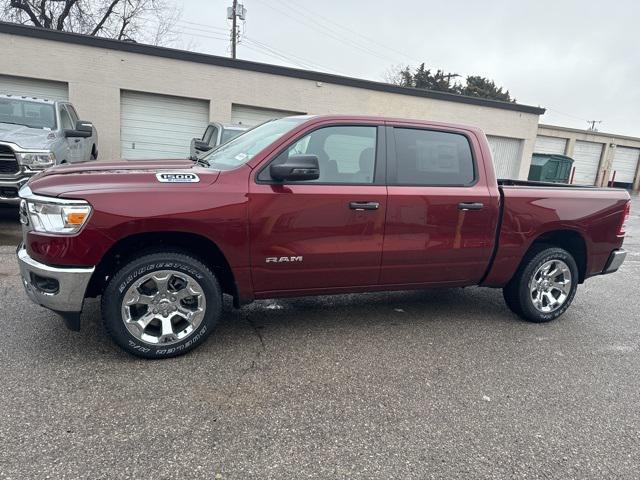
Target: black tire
{"x":94,"y":153}
{"x":180,"y":262}
{"x":517,"y":294}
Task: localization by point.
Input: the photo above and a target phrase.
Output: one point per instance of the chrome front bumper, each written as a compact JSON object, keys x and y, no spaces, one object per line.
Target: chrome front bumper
{"x":615,"y":260}
{"x":11,"y":185}
{"x":59,"y":289}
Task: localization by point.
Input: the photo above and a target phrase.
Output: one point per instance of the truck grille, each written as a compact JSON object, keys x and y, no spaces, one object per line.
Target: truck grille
{"x":8,"y":161}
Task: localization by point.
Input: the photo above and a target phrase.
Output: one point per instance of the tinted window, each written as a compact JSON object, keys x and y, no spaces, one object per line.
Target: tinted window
{"x":345,"y":154}
{"x":427,"y":157}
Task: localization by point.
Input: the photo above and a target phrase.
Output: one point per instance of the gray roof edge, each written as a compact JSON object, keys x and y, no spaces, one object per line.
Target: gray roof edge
{"x":184,"y":55}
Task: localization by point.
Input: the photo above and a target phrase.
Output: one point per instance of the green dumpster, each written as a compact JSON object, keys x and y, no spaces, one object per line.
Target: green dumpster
{"x":550,"y":168}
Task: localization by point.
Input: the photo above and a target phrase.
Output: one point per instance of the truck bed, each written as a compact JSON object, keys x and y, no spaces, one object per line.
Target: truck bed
{"x":583,"y":215}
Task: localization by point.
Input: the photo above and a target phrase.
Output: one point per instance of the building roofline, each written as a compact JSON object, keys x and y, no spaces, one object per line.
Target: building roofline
{"x":588,"y":132}
{"x":164,"y":52}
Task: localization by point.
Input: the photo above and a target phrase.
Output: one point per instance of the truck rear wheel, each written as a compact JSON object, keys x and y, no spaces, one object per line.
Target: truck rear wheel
{"x":544,"y":286}
{"x":161,"y":305}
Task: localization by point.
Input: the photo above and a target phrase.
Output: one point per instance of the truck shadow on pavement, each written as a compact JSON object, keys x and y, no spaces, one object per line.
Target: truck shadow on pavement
{"x":335,"y":316}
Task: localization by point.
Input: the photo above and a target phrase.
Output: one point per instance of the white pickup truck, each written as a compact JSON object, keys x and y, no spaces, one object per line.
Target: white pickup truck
{"x":36,"y":134}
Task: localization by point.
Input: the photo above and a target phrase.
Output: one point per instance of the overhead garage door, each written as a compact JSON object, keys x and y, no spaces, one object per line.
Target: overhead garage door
{"x":246,"y":115}
{"x":586,"y":158}
{"x":625,"y":163}
{"x":159,"y":126}
{"x":31,"y":87}
{"x":550,"y":145}
{"x":506,"y":153}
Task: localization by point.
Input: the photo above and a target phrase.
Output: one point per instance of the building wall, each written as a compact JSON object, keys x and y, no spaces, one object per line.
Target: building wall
{"x":97,"y":75}
{"x":610,"y":142}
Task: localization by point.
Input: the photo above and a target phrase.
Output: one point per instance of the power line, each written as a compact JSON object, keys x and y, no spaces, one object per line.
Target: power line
{"x":329,"y":33}
{"x":314,"y":15}
{"x":259,"y":47}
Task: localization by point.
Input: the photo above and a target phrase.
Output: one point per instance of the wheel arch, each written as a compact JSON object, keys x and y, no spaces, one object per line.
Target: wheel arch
{"x":139,"y":244}
{"x":570,"y":240}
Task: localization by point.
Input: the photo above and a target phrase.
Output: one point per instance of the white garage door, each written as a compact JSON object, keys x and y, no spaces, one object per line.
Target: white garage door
{"x":251,"y":116}
{"x":159,"y":126}
{"x":507,"y":153}
{"x":31,"y":87}
{"x":586,"y":158}
{"x":625,"y":163}
{"x":550,"y":145}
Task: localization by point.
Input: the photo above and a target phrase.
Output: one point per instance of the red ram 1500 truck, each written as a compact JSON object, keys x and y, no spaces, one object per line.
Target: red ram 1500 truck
{"x":306,"y":205}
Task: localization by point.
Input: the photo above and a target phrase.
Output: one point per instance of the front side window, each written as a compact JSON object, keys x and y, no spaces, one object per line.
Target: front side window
{"x":208,"y":134}
{"x":72,"y":112}
{"x":65,"y":119}
{"x":427,"y":157}
{"x":29,"y":114}
{"x":346,"y":154}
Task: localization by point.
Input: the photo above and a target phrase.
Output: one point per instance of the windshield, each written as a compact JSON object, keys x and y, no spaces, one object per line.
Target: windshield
{"x":29,"y":114}
{"x":244,"y":147}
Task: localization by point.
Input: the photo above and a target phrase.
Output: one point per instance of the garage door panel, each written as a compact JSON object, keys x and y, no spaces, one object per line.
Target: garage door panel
{"x":586,"y":159}
{"x":32,"y":87}
{"x":550,"y":145}
{"x":506,"y":153}
{"x":250,"y":116}
{"x":159,"y":126}
{"x":625,"y":163}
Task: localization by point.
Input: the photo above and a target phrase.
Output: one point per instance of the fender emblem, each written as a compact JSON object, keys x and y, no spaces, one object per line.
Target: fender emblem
{"x":284,"y":259}
{"x":177,"y":177}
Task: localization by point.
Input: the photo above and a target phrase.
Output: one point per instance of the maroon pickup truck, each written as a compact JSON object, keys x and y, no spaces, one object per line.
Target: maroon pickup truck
{"x":306,"y":205}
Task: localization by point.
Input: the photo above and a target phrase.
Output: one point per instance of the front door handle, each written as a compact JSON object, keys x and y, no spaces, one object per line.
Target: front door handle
{"x":364,"y":205}
{"x":464,"y":206}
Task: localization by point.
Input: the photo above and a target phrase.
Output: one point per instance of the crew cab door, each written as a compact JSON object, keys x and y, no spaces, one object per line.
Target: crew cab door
{"x":441,"y":216}
{"x":325,"y":233}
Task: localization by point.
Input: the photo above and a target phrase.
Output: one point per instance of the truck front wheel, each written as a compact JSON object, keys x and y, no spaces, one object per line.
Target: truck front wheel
{"x":161,"y":305}
{"x":544,"y":286}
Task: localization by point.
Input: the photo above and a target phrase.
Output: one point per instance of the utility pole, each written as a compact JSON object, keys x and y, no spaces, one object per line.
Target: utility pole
{"x":233,"y":13}
{"x":593,"y":128}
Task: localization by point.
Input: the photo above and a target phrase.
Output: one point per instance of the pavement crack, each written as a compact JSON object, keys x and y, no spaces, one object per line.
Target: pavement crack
{"x":256,"y":330}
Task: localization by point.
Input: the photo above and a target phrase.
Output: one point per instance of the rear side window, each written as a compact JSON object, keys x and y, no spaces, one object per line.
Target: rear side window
{"x":427,"y":157}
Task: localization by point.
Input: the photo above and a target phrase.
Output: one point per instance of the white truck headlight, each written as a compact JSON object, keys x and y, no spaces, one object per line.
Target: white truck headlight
{"x":53,"y":215}
{"x":37,"y":160}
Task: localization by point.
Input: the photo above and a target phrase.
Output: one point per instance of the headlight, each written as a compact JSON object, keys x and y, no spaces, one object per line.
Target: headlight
{"x":53,"y":215}
{"x":34,"y":160}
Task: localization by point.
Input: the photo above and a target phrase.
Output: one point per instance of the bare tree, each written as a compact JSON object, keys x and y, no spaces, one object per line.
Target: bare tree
{"x":146,"y":21}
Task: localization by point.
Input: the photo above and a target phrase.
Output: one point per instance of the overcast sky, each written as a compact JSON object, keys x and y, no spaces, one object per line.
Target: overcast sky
{"x":578,"y":59}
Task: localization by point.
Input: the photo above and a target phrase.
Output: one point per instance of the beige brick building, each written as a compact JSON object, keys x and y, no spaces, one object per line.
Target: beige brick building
{"x":148,"y":102}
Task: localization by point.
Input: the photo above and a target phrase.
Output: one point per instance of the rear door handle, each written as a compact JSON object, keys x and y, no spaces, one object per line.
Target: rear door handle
{"x":464,"y":206}
{"x":364,"y":205}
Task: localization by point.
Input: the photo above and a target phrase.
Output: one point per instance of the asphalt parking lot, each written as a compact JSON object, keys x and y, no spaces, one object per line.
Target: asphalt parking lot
{"x":444,"y":383}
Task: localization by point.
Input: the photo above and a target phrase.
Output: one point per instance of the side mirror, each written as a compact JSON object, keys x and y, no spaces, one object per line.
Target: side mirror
{"x":83,"y":126}
{"x":296,"y":168}
{"x":77,"y":133}
{"x":201,"y":145}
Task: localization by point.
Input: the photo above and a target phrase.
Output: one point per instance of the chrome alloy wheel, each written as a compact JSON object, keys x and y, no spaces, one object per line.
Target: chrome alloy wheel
{"x":550,"y":286}
{"x":163,"y":307}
